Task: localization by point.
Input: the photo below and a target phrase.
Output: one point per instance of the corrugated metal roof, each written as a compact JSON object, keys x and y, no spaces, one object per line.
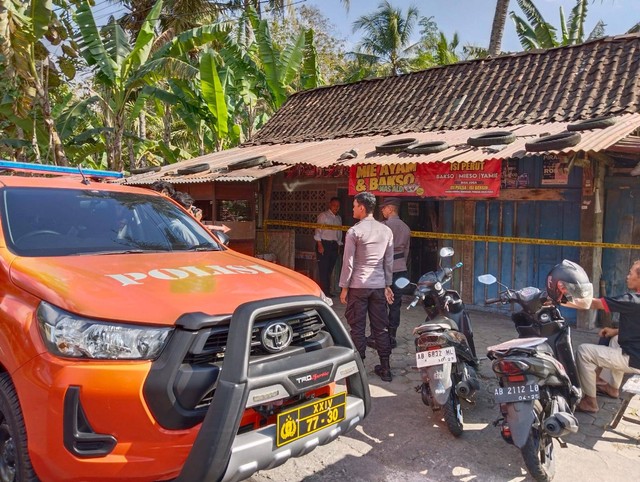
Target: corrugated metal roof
{"x":326,"y":153}
{"x":217,"y":161}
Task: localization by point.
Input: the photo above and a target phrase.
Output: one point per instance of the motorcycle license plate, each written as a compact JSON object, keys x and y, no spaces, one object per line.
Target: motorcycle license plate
{"x":516,"y":393}
{"x":310,"y":417}
{"x":429,"y":358}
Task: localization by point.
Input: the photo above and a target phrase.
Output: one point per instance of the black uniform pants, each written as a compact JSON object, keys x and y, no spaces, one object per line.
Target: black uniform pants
{"x":363,"y":301}
{"x":394,"y":308}
{"x":326,"y":263}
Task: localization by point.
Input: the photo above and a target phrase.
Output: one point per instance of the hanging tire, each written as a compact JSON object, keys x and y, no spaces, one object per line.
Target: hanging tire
{"x":427,"y":147}
{"x":247,"y":163}
{"x":15,"y":463}
{"x":452,"y":414}
{"x":395,"y":146}
{"x":491,"y":139}
{"x":595,"y":123}
{"x":193,"y":169}
{"x":554,"y":143}
{"x":142,"y":170}
{"x":537,"y":452}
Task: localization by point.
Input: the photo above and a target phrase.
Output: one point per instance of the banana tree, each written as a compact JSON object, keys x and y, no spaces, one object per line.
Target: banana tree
{"x":32,"y":71}
{"x":536,"y":33}
{"x":121,"y":71}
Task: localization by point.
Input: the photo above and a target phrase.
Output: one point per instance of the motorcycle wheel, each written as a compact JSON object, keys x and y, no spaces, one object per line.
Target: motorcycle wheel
{"x":538,"y":451}
{"x":453,"y":414}
{"x":425,"y":394}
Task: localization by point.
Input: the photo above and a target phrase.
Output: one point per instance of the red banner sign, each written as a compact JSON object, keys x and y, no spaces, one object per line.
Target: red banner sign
{"x":436,"y":179}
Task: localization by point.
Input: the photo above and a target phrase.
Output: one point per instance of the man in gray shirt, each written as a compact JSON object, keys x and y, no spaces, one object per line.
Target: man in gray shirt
{"x":401,"y":239}
{"x":365,"y":279}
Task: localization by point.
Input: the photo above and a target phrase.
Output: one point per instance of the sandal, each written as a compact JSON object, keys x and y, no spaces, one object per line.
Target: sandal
{"x":604,"y":390}
{"x":580,"y":408}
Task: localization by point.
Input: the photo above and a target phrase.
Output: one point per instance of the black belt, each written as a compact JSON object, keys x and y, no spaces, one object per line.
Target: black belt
{"x":329,"y":241}
{"x":398,"y":256}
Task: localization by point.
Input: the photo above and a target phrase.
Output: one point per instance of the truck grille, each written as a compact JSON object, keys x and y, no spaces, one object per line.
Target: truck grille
{"x":304,"y":325}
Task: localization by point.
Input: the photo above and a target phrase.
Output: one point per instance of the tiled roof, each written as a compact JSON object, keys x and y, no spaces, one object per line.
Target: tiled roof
{"x":565,"y":84}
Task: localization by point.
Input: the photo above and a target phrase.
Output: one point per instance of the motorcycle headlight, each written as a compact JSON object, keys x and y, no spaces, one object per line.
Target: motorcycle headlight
{"x":70,"y":335}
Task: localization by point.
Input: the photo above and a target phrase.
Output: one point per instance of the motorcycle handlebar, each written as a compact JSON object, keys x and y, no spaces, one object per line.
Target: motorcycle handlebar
{"x":492,"y":301}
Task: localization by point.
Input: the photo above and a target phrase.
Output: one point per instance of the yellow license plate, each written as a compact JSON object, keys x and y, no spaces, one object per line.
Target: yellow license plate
{"x":310,"y":417}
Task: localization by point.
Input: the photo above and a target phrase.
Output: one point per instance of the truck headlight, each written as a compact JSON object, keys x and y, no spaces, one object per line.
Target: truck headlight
{"x":70,"y":335}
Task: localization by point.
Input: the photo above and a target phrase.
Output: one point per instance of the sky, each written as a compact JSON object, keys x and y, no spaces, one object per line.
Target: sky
{"x":472,"y":19}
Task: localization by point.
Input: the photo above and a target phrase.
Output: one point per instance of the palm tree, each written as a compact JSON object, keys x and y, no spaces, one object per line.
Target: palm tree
{"x":497,"y":28}
{"x":387,"y":33}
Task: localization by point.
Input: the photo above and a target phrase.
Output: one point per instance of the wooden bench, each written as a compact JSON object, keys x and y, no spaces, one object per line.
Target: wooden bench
{"x":630,"y":389}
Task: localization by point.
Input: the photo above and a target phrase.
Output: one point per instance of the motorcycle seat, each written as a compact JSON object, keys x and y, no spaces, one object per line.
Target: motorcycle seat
{"x":440,"y":323}
{"x":530,"y":345}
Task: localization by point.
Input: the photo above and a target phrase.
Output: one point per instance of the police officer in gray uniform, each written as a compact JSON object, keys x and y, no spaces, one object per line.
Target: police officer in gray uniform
{"x":401,"y":241}
{"x":365,"y":279}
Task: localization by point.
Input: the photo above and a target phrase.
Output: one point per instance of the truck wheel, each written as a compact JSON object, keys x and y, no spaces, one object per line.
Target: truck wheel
{"x":538,"y":452}
{"x":453,"y":414}
{"x":15,"y":464}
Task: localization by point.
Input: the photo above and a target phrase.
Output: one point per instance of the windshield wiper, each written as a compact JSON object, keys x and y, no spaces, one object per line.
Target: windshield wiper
{"x":124,"y":251}
{"x":203,"y":247}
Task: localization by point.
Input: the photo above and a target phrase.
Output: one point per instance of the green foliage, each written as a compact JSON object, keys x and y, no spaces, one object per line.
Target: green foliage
{"x":536,"y":33}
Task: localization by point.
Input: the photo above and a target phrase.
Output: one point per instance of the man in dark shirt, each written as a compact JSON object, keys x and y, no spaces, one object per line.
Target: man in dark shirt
{"x":401,"y":240}
{"x":623,"y":353}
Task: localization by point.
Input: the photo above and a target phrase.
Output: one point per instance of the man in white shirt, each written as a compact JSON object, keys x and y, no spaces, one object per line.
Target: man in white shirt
{"x":328,"y":242}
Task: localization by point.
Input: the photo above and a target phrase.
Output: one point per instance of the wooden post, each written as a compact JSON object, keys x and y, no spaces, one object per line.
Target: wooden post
{"x":587,"y":319}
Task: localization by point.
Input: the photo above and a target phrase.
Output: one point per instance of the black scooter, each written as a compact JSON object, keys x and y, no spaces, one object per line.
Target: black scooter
{"x":445,"y":352}
{"x":538,"y":381}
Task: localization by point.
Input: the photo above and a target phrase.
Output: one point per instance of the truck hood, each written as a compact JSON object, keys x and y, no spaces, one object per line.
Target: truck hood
{"x":156,"y":287}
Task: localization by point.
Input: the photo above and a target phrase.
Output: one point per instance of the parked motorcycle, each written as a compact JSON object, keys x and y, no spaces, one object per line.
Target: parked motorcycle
{"x":538,"y":381}
{"x":445,"y":352}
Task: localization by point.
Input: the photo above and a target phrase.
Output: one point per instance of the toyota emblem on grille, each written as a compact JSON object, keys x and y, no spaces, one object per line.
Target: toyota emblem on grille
{"x":276,"y":336}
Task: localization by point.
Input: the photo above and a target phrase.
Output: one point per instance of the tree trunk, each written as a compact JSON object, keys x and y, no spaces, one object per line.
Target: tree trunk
{"x":497,"y":29}
{"x":166,"y":133}
{"x":142,"y":125}
{"x":59,"y":157}
{"x":118,"y":130}
{"x":132,"y":154}
{"x":19,"y":153}
{"x":34,"y":145}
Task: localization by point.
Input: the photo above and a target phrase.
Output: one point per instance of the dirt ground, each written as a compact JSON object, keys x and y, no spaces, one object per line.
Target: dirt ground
{"x":402,"y":440}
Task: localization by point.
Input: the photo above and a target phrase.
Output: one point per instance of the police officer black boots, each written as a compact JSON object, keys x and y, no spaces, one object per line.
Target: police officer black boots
{"x":383,"y":370}
{"x":392,"y":336}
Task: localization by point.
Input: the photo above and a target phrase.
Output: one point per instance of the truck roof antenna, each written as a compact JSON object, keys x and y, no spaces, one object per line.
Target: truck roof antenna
{"x":84,"y":179}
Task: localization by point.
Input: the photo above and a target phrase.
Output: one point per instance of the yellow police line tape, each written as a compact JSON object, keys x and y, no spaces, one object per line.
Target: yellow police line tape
{"x":465,"y":237}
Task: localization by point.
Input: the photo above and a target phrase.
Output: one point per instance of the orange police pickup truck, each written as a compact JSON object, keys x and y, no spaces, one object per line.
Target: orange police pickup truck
{"x":135,"y":346}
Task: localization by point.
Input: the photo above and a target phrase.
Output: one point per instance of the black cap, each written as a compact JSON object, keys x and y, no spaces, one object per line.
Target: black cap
{"x":390,"y":201}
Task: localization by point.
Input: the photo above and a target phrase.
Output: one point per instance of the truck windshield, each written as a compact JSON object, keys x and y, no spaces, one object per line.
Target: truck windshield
{"x":63,"y":222}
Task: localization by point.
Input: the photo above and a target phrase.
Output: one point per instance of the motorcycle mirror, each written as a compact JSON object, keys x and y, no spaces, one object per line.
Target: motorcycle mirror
{"x":446,"y":252}
{"x":487,"y":279}
{"x":402,"y":283}
{"x":222,"y":237}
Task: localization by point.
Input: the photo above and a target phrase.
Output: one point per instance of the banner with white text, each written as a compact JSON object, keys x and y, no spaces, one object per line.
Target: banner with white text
{"x":435,"y":179}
